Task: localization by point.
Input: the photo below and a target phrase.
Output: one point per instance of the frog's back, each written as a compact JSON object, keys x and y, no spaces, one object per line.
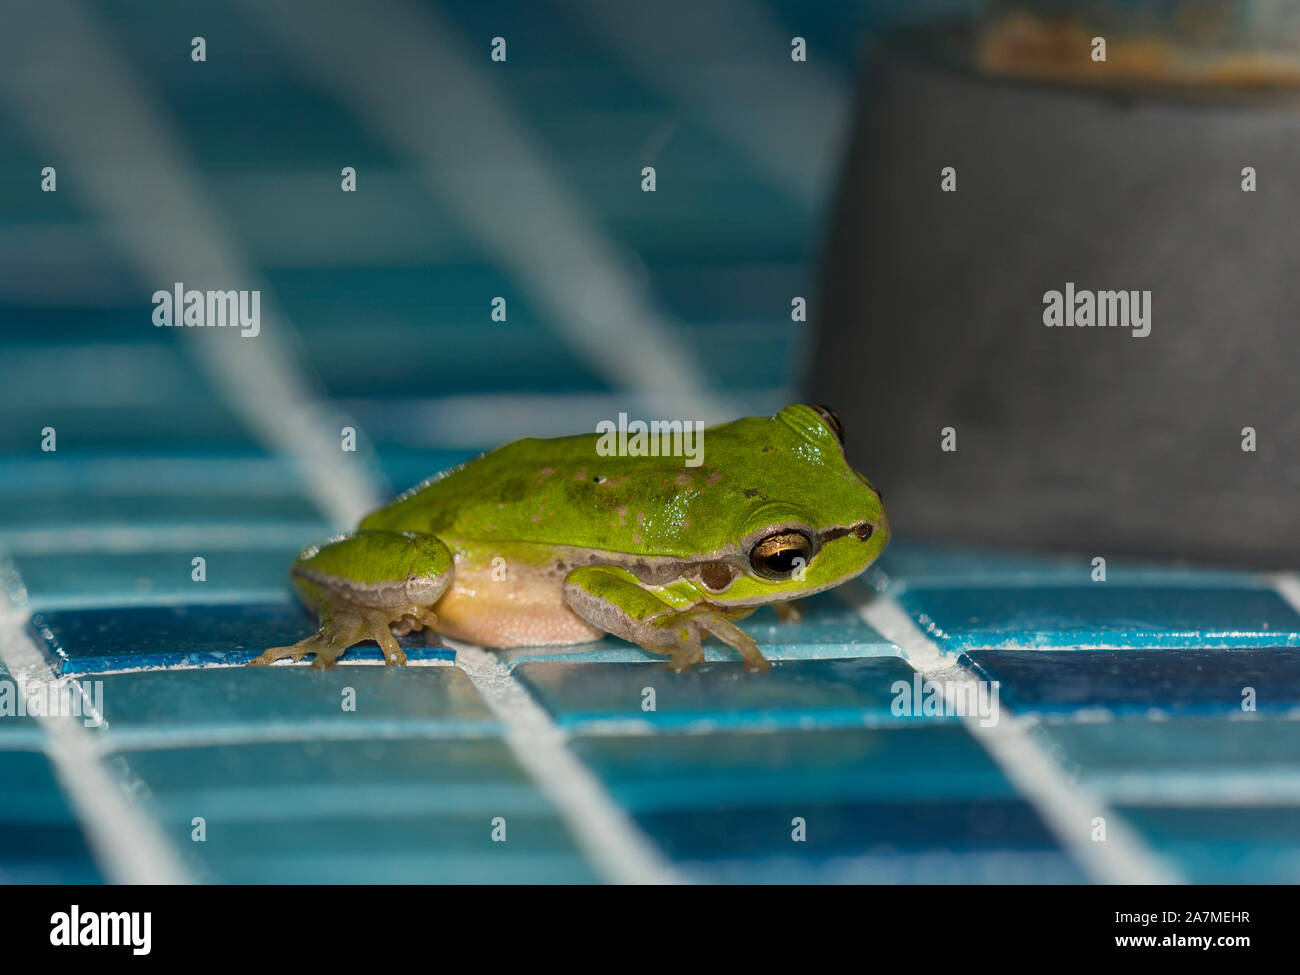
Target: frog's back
{"x":557,"y":491}
{"x":566,"y":492}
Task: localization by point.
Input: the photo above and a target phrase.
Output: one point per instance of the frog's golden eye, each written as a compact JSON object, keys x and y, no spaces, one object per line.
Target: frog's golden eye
{"x":779,"y":555}
{"x":832,"y":420}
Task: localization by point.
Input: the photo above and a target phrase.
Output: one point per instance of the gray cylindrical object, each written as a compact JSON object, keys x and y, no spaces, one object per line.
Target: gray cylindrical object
{"x":1084,"y":439}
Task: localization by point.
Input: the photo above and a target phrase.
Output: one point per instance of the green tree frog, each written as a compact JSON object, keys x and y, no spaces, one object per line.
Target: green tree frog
{"x":546,"y":542}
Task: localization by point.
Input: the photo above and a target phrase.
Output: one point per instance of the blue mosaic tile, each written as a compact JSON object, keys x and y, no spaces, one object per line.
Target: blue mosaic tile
{"x":293,"y":703}
{"x":720,"y":696}
{"x":402,"y":811}
{"x":40,"y":839}
{"x":1103,"y":616}
{"x":245,"y":473}
{"x":1225,"y":844}
{"x":830,"y":629}
{"x":910,"y":564}
{"x":75,"y":509}
{"x":92,"y":641}
{"x":876,"y":804}
{"x":1143,"y":681}
{"x":73,"y":580}
{"x":1187,"y":760}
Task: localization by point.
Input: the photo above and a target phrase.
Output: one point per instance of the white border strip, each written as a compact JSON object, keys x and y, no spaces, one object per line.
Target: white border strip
{"x":1287,"y":585}
{"x":126,"y":843}
{"x":605,"y":833}
{"x":1066,"y":807}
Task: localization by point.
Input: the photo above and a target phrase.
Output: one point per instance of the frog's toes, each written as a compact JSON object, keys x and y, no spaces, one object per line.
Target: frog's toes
{"x":688,"y":652}
{"x":338,"y":632}
{"x":376,"y":625}
{"x":740,"y":641}
{"x":413,"y":622}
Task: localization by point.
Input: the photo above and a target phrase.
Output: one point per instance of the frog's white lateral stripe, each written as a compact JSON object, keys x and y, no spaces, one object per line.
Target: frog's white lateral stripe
{"x":127,"y":844}
{"x":474,"y":153}
{"x":1066,"y":807}
{"x":612,"y":842}
{"x":112,"y":119}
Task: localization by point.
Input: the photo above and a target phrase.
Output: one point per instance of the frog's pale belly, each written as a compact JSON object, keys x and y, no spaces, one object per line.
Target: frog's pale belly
{"x":510,"y":606}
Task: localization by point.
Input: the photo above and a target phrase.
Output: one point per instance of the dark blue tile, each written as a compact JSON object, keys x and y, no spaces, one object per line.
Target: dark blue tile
{"x":875,"y":803}
{"x":1142,"y":681}
{"x":1101,"y":615}
{"x":720,"y":696}
{"x":40,"y":839}
{"x":399,"y":811}
{"x":96,"y":640}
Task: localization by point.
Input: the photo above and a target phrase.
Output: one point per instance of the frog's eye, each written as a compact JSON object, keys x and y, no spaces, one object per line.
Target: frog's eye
{"x":779,"y":555}
{"x":832,"y":420}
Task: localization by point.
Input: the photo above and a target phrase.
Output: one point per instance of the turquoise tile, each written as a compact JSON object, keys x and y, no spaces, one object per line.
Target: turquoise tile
{"x":898,"y":804}
{"x":1218,"y":799}
{"x":1099,"y":615}
{"x":76,"y":580}
{"x":78,"y":508}
{"x":177,"y":471}
{"x":40,"y":839}
{"x":400,"y":811}
{"x":94,"y":641}
{"x":921,"y":565}
{"x":1193,"y":761}
{"x":1224,"y":845}
{"x":295,"y":703}
{"x":720,"y":696}
{"x":1144,"y":681}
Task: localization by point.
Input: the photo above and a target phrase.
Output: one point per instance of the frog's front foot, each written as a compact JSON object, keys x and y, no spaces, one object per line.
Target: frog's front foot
{"x":614,"y":600}
{"x":338,"y":632}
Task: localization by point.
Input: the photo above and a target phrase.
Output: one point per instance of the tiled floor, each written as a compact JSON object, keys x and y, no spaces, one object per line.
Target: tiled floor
{"x":1122,"y":749}
{"x":1131,"y":691}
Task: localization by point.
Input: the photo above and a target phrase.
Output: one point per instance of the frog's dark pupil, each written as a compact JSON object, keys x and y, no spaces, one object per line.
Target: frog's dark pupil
{"x":781,"y":561}
{"x":781,"y":554}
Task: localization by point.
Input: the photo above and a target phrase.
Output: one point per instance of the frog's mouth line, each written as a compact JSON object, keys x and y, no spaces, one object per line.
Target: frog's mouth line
{"x":720,"y":599}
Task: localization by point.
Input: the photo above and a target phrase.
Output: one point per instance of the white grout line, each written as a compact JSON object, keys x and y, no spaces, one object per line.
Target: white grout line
{"x":1068,"y":808}
{"x":603,"y":830}
{"x":126,"y":842}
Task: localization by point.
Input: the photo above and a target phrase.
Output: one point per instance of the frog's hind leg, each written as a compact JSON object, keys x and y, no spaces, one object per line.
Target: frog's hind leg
{"x":363,"y":587}
{"x":338,"y":631}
